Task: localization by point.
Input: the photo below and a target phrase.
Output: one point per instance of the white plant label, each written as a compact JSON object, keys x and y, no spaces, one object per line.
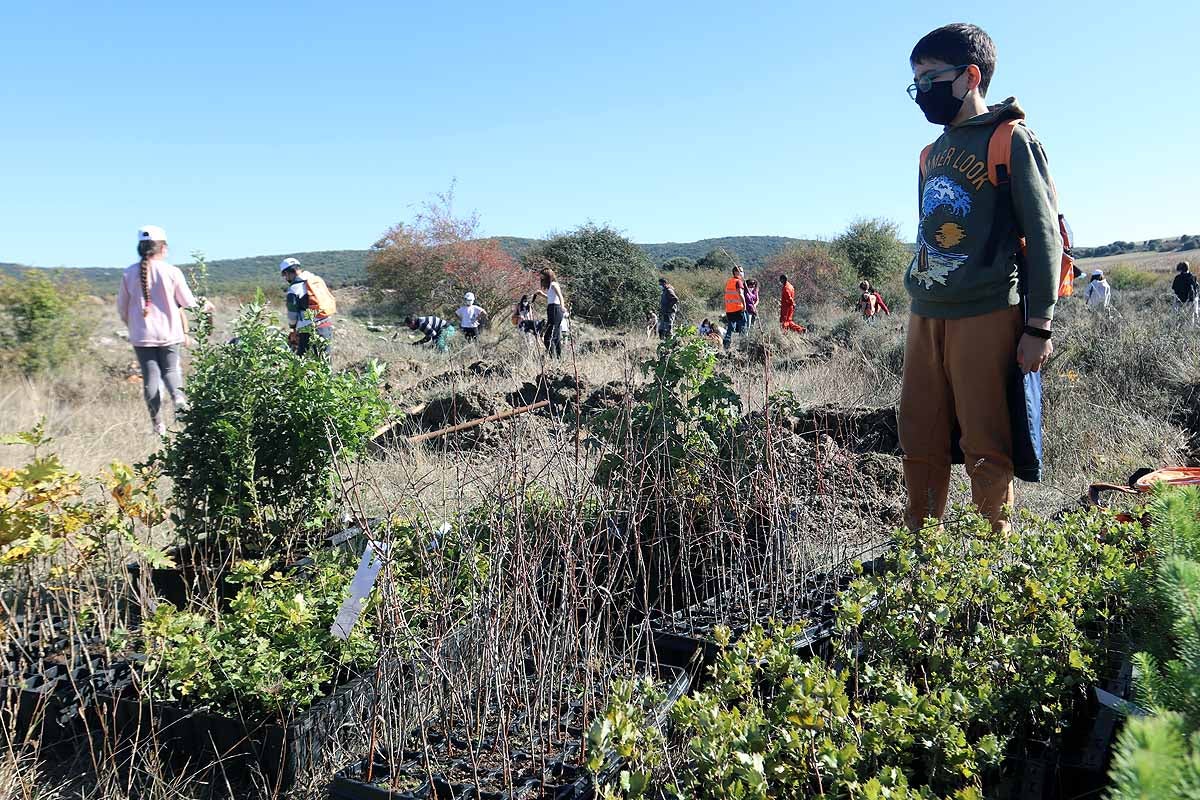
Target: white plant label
{"x":364,"y":580}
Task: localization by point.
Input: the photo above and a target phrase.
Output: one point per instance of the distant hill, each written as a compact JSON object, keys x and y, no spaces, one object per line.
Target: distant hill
{"x":349,"y":267}
{"x":1176,"y":244}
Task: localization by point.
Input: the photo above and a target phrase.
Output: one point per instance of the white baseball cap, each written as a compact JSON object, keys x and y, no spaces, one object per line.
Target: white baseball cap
{"x":1097,"y":273}
{"x":151,"y":233}
{"x":469,"y":297}
{"x":289,"y":263}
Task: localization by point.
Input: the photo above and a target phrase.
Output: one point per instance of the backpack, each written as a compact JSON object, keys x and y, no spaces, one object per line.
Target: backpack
{"x":322,"y":302}
{"x":999,"y":167}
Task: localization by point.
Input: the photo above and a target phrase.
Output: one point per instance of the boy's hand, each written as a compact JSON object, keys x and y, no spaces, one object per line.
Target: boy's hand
{"x":1032,"y":351}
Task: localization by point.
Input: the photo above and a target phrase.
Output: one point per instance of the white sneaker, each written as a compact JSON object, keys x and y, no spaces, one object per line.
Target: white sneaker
{"x":160,"y":428}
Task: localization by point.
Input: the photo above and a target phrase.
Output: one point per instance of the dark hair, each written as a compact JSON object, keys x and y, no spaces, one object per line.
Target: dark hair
{"x":148,"y":250}
{"x":959,"y":43}
{"x":1182,"y":266}
{"x":865,"y":286}
{"x":782,"y":278}
{"x":409,"y":321}
{"x":548,"y":277}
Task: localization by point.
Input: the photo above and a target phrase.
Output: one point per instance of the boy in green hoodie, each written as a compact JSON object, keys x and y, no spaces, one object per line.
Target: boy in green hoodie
{"x":978,"y":304}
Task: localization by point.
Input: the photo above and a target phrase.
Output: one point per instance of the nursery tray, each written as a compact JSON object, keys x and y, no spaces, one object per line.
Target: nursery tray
{"x":567,"y":781}
{"x":234,"y":747}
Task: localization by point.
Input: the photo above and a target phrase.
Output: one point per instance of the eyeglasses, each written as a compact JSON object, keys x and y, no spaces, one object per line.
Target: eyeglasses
{"x":925,"y":82}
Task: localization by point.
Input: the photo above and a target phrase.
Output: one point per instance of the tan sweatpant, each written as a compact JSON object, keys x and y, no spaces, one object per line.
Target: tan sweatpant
{"x":958,"y":369}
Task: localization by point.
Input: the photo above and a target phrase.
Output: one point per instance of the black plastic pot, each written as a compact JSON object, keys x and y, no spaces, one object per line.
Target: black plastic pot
{"x":280,"y":750}
{"x":566,"y":781}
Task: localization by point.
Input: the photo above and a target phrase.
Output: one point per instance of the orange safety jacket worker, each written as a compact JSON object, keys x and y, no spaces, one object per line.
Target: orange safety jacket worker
{"x":734,"y":300}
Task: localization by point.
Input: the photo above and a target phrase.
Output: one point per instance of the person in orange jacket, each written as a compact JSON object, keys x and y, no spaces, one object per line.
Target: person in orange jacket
{"x":787,"y":306}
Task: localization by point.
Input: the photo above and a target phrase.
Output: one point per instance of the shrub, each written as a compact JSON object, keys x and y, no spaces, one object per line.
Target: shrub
{"x":873,"y":250}
{"x":678,"y":263}
{"x":43,"y":507}
{"x":1128,"y":277}
{"x":425,"y":266}
{"x":815,"y":269}
{"x":271,"y":652}
{"x":41,"y":324}
{"x":262,"y":431}
{"x":1158,"y":757}
{"x":608,"y":279}
{"x":677,"y":421}
{"x":719,"y":259}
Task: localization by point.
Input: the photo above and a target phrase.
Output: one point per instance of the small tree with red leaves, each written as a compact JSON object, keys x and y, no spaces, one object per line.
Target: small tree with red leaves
{"x":425,"y":266}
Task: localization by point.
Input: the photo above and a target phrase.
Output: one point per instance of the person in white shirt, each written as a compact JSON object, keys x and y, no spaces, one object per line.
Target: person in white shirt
{"x":470,"y":315}
{"x":556,"y":302}
{"x":1098,"y":294}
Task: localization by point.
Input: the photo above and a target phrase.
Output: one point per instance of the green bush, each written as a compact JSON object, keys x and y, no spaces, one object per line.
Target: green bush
{"x":271,"y":652}
{"x":966,"y":645}
{"x":41,"y":324}
{"x":677,"y":421}
{"x":678,"y":264}
{"x":1127,"y":277}
{"x":262,"y":433}
{"x":873,"y":249}
{"x":719,"y":259}
{"x":1158,"y":757}
{"x":608,"y":279}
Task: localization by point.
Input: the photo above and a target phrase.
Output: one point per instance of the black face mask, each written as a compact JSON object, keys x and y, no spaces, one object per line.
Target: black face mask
{"x":939,"y":103}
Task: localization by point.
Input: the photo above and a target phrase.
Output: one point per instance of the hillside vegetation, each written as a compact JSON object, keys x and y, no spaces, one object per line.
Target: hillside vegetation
{"x":349,"y":267}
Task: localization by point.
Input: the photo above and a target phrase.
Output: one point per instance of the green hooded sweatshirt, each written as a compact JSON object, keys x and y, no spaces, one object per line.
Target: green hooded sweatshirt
{"x":952,"y":275}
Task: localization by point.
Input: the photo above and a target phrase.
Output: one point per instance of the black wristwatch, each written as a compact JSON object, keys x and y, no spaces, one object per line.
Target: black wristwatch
{"x":1038,"y":333}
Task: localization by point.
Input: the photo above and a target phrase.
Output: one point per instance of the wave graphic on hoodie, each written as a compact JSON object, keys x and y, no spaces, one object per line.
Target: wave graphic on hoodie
{"x":941,"y":191}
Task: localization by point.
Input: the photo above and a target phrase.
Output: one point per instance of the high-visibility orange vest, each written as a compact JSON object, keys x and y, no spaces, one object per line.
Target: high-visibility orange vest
{"x":733,"y":296}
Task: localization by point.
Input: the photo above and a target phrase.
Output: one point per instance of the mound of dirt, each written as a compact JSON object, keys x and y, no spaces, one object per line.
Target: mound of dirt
{"x":560,"y":388}
{"x":837,"y":494}
{"x":602,"y":398}
{"x":458,"y":407}
{"x":863,"y":430}
{"x":606,"y":344}
{"x":490,"y":369}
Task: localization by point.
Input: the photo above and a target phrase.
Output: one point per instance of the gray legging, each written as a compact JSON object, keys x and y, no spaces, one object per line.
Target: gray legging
{"x":160,"y":365}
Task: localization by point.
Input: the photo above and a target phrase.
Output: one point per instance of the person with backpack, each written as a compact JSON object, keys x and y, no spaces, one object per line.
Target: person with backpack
{"x":310,"y":308}
{"x":870,"y":303}
{"x":1187,"y":292}
{"x":787,"y":306}
{"x":980,"y":309}
{"x":668,"y":304}
{"x":151,"y":300}
{"x":735,"y":305}
{"x":470,"y":316}
{"x":436,"y":330}
{"x":1098,"y":293}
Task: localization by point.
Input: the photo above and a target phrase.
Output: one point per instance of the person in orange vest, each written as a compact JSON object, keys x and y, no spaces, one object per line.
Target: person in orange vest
{"x":787,"y":306}
{"x":735,"y":305}
{"x":310,"y":307}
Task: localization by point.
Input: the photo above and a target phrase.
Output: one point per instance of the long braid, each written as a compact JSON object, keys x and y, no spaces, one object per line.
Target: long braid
{"x":147,"y":250}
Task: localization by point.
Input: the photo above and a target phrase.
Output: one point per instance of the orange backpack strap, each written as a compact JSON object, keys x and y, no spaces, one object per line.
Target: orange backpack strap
{"x":999,"y":158}
{"x":925,"y":157}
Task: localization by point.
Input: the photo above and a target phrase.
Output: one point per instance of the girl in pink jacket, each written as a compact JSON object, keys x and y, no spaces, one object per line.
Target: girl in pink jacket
{"x":151,"y":300}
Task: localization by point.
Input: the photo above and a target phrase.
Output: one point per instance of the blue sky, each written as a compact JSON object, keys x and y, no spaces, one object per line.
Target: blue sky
{"x":248,"y":128}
